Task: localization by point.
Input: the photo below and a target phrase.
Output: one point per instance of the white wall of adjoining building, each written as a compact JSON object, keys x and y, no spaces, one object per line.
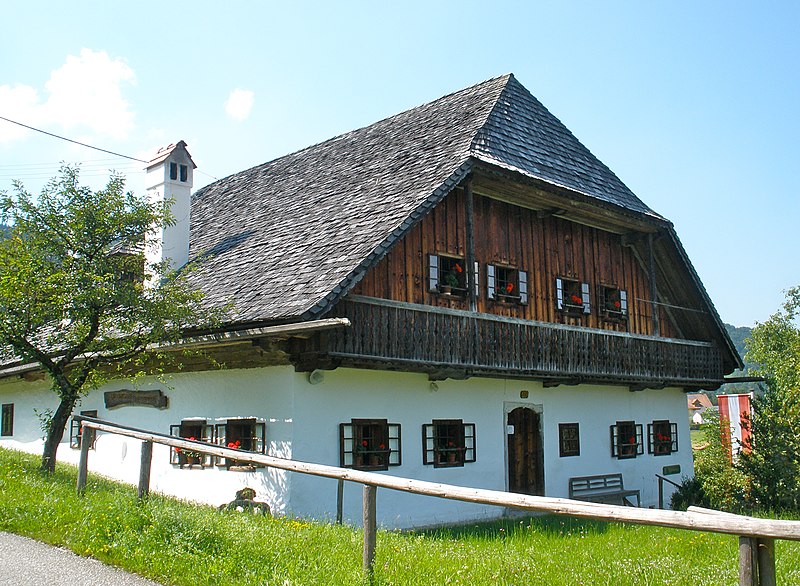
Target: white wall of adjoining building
{"x":303,"y":423}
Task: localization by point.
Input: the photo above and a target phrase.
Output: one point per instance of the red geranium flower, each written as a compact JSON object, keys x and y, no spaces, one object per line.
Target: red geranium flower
{"x":457,"y":268}
{"x":510,"y":288}
{"x":577,"y":300}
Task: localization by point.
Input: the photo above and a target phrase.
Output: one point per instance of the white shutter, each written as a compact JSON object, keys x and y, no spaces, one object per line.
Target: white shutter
{"x":523,"y":286}
{"x":476,"y":272}
{"x":623,"y":302}
{"x":433,"y":273}
{"x":490,"y":281}
{"x":559,"y":294}
{"x":585,"y":296}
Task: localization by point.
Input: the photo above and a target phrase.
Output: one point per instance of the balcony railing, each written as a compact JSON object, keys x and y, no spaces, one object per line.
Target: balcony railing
{"x":430,"y":339}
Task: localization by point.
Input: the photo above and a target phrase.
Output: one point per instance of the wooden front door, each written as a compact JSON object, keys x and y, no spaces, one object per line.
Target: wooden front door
{"x":525,"y":454}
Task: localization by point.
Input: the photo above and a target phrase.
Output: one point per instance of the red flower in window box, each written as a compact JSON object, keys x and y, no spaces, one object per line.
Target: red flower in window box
{"x":576,"y":300}
{"x":235,"y":445}
{"x":509,"y":288}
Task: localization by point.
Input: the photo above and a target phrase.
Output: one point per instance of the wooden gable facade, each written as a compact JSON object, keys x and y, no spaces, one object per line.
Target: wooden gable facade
{"x":502,"y":279}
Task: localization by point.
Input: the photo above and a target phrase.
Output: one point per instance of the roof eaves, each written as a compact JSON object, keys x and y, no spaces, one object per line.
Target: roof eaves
{"x":352,"y":279}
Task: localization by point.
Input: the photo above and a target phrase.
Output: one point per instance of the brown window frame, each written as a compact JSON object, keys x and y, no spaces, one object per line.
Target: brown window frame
{"x":448,"y":443}
{"x":612,"y":303}
{"x":369,"y":444}
{"x":622,"y":432}
{"x":569,"y":443}
{"x":568,"y":290}
{"x":230,"y":430}
{"x":193,"y":430}
{"x":76,"y":431}
{"x":662,"y":437}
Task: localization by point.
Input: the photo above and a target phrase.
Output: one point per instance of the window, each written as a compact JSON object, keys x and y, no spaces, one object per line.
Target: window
{"x":506,"y":284}
{"x":173,"y":171}
{"x":184,"y":173}
{"x":76,"y":432}
{"x":613,"y":303}
{"x":7,"y":427}
{"x":246,"y":434}
{"x":447,"y":275}
{"x":626,"y":440}
{"x":662,"y":438}
{"x":572,"y":297}
{"x":569,"y":443}
{"x":194,"y":430}
{"x":369,"y":444}
{"x":448,"y":443}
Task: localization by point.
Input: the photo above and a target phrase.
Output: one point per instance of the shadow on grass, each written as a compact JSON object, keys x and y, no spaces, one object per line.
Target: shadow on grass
{"x":549,"y":525}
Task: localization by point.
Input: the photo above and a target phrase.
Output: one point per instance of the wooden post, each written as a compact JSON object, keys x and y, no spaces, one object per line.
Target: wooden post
{"x":653,"y":286}
{"x":766,"y":562}
{"x":370,"y":526}
{"x":470,"y":252}
{"x":83,"y":463}
{"x":339,"y":501}
{"x":748,"y":571}
{"x":144,"y":469}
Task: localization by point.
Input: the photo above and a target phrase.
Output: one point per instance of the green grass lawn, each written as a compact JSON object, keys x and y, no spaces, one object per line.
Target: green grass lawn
{"x":175,"y":542}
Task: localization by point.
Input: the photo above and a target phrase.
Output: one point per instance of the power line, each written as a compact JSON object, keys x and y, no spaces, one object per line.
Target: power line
{"x":72,"y":141}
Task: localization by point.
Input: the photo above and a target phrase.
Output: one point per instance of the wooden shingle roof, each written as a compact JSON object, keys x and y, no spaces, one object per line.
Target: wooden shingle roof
{"x":285,"y":239}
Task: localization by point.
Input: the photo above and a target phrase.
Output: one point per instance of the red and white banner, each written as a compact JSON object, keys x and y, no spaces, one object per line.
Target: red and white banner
{"x":734,"y":422}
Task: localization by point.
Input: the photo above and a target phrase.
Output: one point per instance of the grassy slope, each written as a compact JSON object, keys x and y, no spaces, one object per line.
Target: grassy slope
{"x":177,"y":543}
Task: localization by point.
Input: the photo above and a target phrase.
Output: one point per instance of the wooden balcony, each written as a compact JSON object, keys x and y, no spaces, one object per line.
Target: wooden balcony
{"x":453,"y":343}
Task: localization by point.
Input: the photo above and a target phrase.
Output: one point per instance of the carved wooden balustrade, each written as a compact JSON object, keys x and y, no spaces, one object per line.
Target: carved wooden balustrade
{"x":388,"y":334}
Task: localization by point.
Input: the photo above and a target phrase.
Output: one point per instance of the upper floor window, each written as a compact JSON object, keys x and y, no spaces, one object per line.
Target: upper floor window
{"x":662,"y":437}
{"x":506,"y":284}
{"x":247,"y":434}
{"x":613,"y":302}
{"x":447,"y":275}
{"x":76,"y":431}
{"x":175,"y":170}
{"x":195,"y":430}
{"x":626,"y":440}
{"x":7,"y":427}
{"x":448,"y":443}
{"x":369,"y":444}
{"x":572,"y":297}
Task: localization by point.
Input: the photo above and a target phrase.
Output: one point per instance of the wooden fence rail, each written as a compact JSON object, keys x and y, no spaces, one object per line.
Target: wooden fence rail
{"x":756,"y":554}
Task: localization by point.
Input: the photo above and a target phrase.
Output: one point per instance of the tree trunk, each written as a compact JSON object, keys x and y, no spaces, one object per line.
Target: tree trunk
{"x":56,"y":432}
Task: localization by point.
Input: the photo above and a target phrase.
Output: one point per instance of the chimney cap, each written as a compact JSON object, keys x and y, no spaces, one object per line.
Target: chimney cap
{"x":164,"y":152}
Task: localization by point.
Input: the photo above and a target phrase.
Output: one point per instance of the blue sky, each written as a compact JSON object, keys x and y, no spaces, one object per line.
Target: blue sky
{"x":694,"y":105}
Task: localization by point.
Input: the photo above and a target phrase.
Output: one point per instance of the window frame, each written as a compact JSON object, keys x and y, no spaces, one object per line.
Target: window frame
{"x":500,"y":277}
{"x":222,"y":434}
{"x":441,"y":268}
{"x":623,"y":450}
{"x":603,"y":302}
{"x":375,"y":432}
{"x":567,"y":291}
{"x":436,"y":436}
{"x":7,"y":420}
{"x":179,"y":457}
{"x":658,"y":446}
{"x":566,"y":449}
{"x":76,"y":431}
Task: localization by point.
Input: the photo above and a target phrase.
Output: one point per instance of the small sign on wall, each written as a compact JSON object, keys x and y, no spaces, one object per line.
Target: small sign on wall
{"x":669,"y":470}
{"x":127,"y":398}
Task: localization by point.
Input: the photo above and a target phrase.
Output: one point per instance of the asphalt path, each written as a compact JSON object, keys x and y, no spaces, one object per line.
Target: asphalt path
{"x":25,"y":562}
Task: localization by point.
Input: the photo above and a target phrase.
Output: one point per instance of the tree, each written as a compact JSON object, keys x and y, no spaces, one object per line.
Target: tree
{"x":75,"y":288}
{"x":772,"y":463}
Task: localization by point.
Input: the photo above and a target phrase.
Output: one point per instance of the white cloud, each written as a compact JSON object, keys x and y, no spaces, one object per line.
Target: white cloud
{"x":239,"y":104}
{"x":84,"y":93}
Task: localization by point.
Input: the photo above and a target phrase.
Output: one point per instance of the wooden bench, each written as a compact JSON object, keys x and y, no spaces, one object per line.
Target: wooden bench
{"x":602,"y":488}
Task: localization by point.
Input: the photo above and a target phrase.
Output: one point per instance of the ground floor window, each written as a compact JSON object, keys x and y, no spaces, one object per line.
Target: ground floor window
{"x":626,"y":440}
{"x":193,"y":430}
{"x":246,"y":434}
{"x":369,"y":444}
{"x":76,"y":431}
{"x":569,"y":443}
{"x":7,"y":427}
{"x":448,"y":443}
{"x":662,"y":437}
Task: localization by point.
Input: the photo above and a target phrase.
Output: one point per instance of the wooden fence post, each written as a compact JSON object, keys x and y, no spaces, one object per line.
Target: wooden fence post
{"x":766,"y":562}
{"x":339,"y":501}
{"x":144,"y":469}
{"x":748,"y":571}
{"x":370,"y":526}
{"x":83,"y":463}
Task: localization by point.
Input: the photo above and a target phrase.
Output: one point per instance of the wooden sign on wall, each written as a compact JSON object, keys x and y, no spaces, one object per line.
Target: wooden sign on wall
{"x":128,"y":398}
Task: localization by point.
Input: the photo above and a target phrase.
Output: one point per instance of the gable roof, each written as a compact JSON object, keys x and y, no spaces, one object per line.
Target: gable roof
{"x":285,"y":239}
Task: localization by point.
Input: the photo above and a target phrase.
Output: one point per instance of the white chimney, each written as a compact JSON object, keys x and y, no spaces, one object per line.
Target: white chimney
{"x":169,"y":176}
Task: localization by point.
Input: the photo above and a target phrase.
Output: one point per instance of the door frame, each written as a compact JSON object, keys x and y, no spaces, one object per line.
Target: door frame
{"x":508,"y":407}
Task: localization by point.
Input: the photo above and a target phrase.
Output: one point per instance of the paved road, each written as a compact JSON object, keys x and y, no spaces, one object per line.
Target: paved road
{"x":25,"y":562}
